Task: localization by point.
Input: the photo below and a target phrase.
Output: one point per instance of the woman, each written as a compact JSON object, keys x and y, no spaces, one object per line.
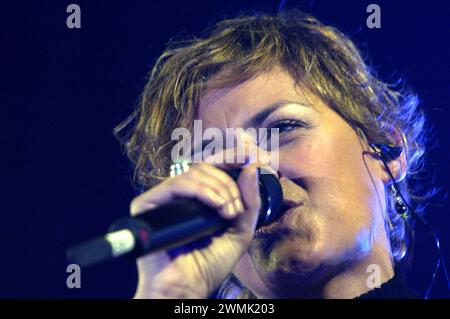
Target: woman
{"x":340,"y":223}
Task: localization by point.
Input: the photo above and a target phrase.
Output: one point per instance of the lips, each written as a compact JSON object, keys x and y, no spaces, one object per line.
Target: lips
{"x":281,"y":222}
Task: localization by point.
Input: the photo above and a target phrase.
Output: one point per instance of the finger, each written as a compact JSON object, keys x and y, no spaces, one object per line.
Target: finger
{"x":248,"y":182}
{"x":220,"y":182}
{"x":213,"y":177}
{"x":180,"y":187}
{"x":225,"y":181}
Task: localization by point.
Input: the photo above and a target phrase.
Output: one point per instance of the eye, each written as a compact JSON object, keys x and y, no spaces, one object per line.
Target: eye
{"x":285,"y":126}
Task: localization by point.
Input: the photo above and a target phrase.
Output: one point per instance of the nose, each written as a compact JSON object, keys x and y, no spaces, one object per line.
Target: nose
{"x":293,"y":194}
{"x":242,"y":148}
{"x":253,"y":153}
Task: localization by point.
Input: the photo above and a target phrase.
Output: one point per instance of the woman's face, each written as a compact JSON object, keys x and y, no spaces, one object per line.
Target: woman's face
{"x":334,"y":191}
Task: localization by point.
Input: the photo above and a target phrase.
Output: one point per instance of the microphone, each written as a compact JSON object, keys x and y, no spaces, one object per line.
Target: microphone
{"x":174,"y":224}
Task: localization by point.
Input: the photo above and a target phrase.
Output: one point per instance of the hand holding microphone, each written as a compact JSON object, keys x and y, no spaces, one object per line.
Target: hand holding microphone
{"x":203,"y":202}
{"x":194,"y":272}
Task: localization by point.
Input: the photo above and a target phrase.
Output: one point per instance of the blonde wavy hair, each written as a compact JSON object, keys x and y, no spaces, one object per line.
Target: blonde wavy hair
{"x":317,"y":56}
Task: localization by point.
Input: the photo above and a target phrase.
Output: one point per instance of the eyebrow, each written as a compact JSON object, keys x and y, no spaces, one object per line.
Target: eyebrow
{"x":257,"y":119}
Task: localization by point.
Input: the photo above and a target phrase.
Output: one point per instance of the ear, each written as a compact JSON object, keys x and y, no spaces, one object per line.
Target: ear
{"x":397,"y":164}
{"x":398,"y":168}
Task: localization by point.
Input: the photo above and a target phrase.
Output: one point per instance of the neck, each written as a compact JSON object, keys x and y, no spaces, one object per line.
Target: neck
{"x":359,"y":278}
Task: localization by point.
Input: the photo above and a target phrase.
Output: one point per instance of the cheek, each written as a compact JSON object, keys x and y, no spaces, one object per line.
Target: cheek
{"x":331,"y":233}
{"x":340,"y":194}
{"x":349,"y":234}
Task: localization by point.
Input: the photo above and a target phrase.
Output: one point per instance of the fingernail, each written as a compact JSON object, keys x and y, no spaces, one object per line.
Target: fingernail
{"x":239,"y":206}
{"x":220,"y":200}
{"x":230,"y":209}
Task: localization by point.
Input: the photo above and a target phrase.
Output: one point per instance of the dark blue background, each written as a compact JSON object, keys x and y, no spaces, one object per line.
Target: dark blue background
{"x":64,"y":177}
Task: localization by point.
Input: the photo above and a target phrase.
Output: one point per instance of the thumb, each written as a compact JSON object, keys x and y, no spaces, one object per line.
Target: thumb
{"x":248,"y":183}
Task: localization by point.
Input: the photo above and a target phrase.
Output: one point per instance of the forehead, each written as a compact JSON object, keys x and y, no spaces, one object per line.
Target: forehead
{"x":229,"y":107}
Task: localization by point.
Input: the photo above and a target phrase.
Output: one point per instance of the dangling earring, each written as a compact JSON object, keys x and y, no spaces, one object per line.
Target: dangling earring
{"x":399,"y":204}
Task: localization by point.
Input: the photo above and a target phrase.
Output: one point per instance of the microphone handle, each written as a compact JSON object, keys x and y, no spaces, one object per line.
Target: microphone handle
{"x":174,"y":224}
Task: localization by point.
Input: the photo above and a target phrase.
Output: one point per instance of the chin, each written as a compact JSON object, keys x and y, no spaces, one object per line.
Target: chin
{"x":289,"y":263}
